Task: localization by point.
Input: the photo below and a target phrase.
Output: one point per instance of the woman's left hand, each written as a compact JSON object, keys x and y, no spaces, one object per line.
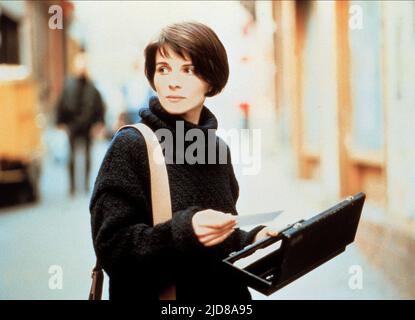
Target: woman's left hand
{"x":266,"y":232}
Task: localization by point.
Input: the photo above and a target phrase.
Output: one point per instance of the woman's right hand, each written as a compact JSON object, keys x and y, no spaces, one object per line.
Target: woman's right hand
{"x":212,"y":227}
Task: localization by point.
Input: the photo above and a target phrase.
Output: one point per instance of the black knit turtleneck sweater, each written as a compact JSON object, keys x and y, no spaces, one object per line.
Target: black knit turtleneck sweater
{"x":140,"y":258}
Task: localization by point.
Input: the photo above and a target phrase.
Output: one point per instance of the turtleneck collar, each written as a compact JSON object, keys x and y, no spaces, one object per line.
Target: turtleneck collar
{"x":157,"y":117}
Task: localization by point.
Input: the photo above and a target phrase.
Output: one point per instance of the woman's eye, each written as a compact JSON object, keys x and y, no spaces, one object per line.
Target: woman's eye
{"x":189,"y":70}
{"x":162,"y":70}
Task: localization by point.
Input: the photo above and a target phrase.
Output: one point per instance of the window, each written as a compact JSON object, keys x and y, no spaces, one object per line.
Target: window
{"x":9,"y":42}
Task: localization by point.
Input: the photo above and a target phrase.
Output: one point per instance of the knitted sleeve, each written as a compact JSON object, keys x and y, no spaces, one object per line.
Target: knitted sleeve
{"x":123,"y":236}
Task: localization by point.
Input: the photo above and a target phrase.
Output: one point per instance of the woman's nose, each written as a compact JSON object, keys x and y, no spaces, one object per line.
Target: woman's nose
{"x":174,"y":83}
{"x":174,"y":86}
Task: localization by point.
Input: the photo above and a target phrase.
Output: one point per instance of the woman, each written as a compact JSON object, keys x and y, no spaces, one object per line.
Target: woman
{"x":186,"y":64}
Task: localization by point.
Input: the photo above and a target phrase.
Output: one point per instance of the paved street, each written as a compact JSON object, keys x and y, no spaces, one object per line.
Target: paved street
{"x":54,"y":232}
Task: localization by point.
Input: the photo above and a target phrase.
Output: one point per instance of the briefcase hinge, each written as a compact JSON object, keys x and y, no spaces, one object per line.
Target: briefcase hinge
{"x":297,"y":225}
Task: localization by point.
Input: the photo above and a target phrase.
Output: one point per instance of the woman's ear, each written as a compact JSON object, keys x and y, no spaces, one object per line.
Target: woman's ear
{"x":209,"y":89}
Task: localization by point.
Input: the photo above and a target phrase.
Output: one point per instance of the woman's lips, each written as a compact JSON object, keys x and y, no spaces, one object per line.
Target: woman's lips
{"x":175,"y":98}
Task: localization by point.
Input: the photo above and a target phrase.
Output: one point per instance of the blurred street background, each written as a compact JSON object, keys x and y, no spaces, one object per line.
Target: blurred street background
{"x":328,"y":83}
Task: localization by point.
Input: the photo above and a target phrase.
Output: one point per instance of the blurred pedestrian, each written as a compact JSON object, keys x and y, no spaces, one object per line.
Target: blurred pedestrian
{"x":80,"y":113}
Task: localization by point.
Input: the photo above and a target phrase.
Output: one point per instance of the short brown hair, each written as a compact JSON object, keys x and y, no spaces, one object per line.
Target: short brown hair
{"x":200,"y":43}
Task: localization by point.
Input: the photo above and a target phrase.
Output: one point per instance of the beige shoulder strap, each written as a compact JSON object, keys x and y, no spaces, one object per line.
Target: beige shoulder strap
{"x":159,"y":183}
{"x":159,"y":180}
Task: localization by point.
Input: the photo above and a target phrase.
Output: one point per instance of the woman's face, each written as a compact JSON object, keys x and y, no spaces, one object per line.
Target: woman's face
{"x":178,"y":88}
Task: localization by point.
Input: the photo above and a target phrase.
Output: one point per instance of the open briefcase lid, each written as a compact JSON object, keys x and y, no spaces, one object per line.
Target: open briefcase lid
{"x":299,"y":248}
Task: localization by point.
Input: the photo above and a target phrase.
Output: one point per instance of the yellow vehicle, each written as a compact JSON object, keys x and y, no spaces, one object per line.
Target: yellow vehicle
{"x":20,"y":140}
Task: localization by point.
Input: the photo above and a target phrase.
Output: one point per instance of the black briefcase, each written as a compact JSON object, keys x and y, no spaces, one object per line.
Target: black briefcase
{"x":273,"y":262}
